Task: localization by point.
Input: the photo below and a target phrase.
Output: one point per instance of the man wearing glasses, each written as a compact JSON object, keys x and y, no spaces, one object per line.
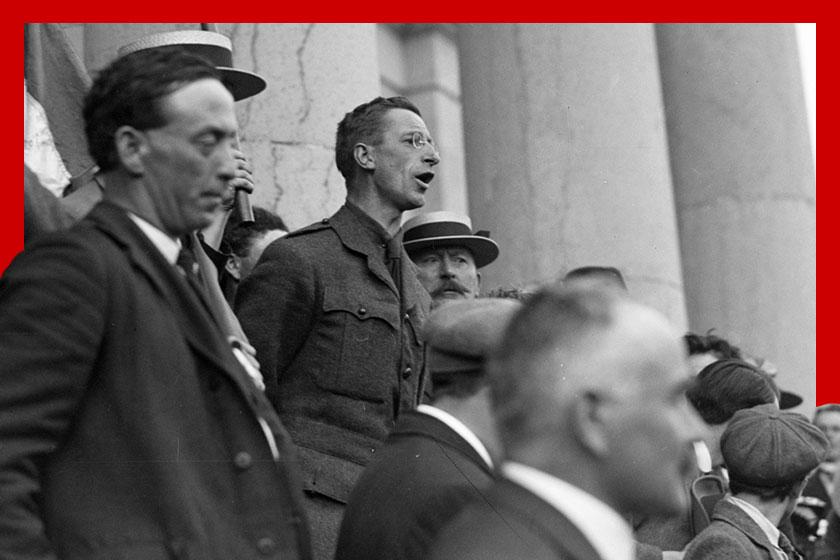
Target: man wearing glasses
{"x":334,"y":310}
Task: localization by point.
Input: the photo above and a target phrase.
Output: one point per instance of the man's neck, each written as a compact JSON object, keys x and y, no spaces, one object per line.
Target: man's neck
{"x":474,"y":412}
{"x":773,"y":510}
{"x":386,"y":216}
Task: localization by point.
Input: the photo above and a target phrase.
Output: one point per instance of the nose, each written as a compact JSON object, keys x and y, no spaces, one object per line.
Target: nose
{"x":227,"y":163}
{"x":432,"y":156}
{"x":446,"y":268}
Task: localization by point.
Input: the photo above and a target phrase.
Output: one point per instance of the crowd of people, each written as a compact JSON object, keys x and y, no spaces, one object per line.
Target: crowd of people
{"x":176,"y":384}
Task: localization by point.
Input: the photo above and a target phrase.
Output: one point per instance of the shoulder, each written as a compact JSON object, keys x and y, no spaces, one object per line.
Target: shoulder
{"x":304,"y":242}
{"x":720,"y":540}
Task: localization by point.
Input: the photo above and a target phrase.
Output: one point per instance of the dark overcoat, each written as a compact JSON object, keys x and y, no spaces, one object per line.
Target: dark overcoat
{"x":511,"y":523}
{"x":128,"y":430}
{"x":421,"y":477}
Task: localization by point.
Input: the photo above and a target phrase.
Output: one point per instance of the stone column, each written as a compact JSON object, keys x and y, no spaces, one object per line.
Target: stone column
{"x":745,"y":189}
{"x":567,"y":159}
{"x":315,"y":73}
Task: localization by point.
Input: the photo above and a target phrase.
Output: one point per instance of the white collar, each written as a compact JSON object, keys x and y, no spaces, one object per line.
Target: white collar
{"x":603,"y":527}
{"x":764,"y":524}
{"x":459,"y":428}
{"x":167,"y":245}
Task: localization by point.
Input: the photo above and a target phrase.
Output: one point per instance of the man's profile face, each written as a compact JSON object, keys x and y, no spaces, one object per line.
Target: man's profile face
{"x":652,"y":426}
{"x":403,"y":172}
{"x":447,"y":273}
{"x":829,"y":423}
{"x":188,"y":161}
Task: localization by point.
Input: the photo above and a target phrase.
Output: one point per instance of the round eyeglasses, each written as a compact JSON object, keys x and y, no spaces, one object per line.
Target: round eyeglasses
{"x":420,"y":140}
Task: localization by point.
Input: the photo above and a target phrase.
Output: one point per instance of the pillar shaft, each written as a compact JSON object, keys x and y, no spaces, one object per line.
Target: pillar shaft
{"x":745,"y":189}
{"x":567,"y":156}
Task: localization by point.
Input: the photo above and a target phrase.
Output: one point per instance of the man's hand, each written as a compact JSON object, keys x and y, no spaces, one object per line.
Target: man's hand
{"x":243,"y":179}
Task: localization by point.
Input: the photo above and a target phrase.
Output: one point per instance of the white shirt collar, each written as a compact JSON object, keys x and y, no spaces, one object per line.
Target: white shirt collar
{"x":459,"y":428}
{"x":168,"y":246}
{"x":764,"y":524}
{"x":606,"y":530}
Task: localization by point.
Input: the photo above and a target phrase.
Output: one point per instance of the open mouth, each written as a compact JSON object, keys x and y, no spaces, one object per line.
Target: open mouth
{"x":425,"y":178}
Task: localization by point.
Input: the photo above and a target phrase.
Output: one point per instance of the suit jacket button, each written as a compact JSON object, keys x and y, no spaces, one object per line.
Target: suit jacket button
{"x":266,"y":545}
{"x":325,"y":221}
{"x":243,"y":460}
{"x":407,"y":373}
{"x":362,"y":311}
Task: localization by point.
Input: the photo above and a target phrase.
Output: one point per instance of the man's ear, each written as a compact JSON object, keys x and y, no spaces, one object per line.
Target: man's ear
{"x":131,"y":145}
{"x":363,"y":155}
{"x":478,"y":278}
{"x":586,"y":419}
{"x":233,"y":267}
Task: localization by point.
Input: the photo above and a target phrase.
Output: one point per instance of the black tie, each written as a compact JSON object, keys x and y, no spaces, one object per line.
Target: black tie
{"x":393,"y":253}
{"x":189,"y":267}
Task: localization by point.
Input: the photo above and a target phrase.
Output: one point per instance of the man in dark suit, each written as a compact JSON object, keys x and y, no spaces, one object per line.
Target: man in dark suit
{"x":439,"y":456}
{"x":587,"y":390}
{"x":129,"y":428}
{"x":334,"y":311}
{"x":769,"y":454}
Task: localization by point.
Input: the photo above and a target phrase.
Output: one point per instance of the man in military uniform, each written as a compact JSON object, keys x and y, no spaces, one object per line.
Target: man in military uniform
{"x":334,"y":310}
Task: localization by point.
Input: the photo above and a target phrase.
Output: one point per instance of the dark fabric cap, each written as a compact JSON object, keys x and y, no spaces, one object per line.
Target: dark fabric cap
{"x":460,"y":334}
{"x":767,"y":447}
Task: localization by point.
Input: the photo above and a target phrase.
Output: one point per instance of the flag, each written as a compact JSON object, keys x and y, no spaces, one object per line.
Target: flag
{"x":55,"y":83}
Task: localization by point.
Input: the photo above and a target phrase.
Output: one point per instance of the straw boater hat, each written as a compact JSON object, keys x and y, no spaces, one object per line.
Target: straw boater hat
{"x":445,"y":229}
{"x":214,"y":47}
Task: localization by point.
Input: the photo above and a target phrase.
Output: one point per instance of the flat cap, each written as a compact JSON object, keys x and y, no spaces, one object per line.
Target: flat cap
{"x":767,"y":447}
{"x":460,"y":334}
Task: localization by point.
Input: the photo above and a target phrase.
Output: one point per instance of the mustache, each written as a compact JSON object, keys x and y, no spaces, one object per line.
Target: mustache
{"x":449,"y":285}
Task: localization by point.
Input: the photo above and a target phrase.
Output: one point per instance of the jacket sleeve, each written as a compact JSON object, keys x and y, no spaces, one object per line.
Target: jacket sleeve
{"x":51,"y":323}
{"x":277,"y":304}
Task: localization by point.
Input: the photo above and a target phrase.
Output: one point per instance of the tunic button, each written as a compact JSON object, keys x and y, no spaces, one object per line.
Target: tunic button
{"x":243,"y":460}
{"x":362,"y":311}
{"x":407,"y":373}
{"x":266,"y":545}
{"x":325,"y":221}
{"x":406,"y":316}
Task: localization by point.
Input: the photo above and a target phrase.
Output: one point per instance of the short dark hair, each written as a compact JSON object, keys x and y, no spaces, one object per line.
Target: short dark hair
{"x":364,"y":124}
{"x":711,"y":344}
{"x":239,"y":236}
{"x":726,"y":386}
{"x":128,"y":92}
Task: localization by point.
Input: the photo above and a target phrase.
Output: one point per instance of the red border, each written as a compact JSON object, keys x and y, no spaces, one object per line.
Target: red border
{"x":11,"y":215}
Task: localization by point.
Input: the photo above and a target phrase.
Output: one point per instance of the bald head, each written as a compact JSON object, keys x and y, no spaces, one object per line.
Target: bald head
{"x":600,"y":378}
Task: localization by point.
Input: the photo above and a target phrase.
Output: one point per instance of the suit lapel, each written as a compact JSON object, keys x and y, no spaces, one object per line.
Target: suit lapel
{"x":197,"y":325}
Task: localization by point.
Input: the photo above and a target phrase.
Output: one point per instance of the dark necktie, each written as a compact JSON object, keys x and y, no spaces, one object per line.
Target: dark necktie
{"x":189,"y":267}
{"x":393,"y":252}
